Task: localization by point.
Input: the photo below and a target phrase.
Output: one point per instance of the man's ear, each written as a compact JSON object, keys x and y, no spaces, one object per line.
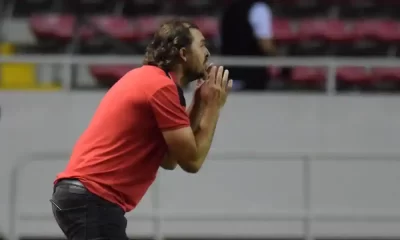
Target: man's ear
{"x":183,"y":54}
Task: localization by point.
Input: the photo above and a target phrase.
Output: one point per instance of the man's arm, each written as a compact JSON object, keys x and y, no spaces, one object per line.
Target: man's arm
{"x":260,"y":18}
{"x":187,"y":148}
{"x":195,"y":112}
{"x":168,"y":163}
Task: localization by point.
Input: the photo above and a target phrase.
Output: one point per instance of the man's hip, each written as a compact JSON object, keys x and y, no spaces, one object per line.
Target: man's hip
{"x":83,"y":215}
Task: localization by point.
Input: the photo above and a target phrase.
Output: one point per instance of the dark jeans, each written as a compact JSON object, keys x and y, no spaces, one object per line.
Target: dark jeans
{"x":82,"y":215}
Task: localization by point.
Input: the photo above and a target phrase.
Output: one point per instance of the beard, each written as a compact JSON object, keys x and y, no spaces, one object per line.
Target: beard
{"x":193,"y":75}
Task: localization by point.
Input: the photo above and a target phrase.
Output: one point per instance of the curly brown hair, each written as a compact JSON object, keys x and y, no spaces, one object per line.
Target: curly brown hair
{"x":163,"y":50}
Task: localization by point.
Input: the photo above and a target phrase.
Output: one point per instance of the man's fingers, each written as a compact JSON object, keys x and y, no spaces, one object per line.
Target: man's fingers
{"x":209,"y":67}
{"x":229,"y":85}
{"x":225,"y":78}
{"x":211,"y":74}
{"x":207,"y":71}
{"x":218,"y":78}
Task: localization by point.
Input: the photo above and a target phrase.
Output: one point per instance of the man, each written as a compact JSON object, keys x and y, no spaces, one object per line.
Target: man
{"x":140,"y":125}
{"x":246,"y":30}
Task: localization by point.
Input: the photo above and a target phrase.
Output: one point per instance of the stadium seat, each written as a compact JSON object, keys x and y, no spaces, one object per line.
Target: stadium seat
{"x":283,"y":31}
{"x":147,"y":26}
{"x":208,"y":25}
{"x":319,"y":36}
{"x":284,"y":35}
{"x":386,"y":78}
{"x":107,"y":75}
{"x":379,"y":30}
{"x":324,"y":29}
{"x":373,"y":37}
{"x":210,"y":29}
{"x":52,"y":31}
{"x":118,"y":27}
{"x":111,"y":33}
{"x":353,"y":78}
{"x":308,"y":77}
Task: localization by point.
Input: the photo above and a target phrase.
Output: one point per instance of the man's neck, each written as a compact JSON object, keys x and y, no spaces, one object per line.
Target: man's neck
{"x":177,"y":76}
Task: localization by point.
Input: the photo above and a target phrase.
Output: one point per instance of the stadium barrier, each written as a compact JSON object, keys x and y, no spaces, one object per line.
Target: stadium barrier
{"x":331,"y":63}
{"x":307,"y":216}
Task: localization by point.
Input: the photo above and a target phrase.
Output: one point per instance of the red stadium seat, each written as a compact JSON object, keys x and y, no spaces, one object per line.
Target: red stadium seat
{"x":386,"y":73}
{"x":321,"y":36}
{"x":388,"y":78}
{"x":149,"y":24}
{"x":117,"y":27}
{"x":312,"y":77}
{"x":323,"y":29}
{"x":283,"y":31}
{"x":376,"y":30}
{"x":353,"y":77}
{"x":101,"y":34}
{"x":208,"y":26}
{"x":107,"y":75}
{"x":373,"y":37}
{"x":53,"y":27}
{"x":274,"y":72}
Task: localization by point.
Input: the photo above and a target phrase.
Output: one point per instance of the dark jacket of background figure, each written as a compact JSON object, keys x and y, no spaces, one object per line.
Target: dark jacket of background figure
{"x":238,"y":39}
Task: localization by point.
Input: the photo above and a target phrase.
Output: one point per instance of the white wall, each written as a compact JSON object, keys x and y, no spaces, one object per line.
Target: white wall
{"x":284,"y":126}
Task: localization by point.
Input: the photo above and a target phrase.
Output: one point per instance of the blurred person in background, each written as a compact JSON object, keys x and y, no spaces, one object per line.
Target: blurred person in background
{"x":246,"y":30}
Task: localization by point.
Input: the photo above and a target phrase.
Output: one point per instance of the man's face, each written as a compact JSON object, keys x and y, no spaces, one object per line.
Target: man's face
{"x":197,"y":57}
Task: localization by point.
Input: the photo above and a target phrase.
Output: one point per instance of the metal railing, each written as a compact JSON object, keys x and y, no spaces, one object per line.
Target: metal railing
{"x":331,"y":63}
{"x":307,"y":216}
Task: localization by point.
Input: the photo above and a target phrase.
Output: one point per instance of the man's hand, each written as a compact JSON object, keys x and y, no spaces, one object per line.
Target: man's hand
{"x":217,"y":87}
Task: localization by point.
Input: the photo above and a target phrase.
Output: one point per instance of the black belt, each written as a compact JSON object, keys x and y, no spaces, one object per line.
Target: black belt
{"x":70,"y":182}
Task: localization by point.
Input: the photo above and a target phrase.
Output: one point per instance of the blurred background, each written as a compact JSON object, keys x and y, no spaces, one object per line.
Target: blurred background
{"x":306,"y":148}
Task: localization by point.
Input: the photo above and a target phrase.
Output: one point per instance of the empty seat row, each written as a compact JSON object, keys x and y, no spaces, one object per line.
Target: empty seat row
{"x":336,"y":30}
{"x":308,"y":76}
{"x":347,"y":77}
{"x":138,"y":7}
{"x":285,"y":31}
{"x":62,"y":26}
{"x":98,"y":33}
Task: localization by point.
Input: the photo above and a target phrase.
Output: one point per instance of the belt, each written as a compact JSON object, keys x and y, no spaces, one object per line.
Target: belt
{"x":73,"y":186}
{"x":74,"y":182}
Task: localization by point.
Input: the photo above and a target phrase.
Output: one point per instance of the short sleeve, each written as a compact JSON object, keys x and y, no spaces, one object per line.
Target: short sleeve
{"x":168,"y":109}
{"x":260,"y":18}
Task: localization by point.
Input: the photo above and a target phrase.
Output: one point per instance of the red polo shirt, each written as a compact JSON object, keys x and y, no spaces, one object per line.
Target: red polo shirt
{"x":118,"y":155}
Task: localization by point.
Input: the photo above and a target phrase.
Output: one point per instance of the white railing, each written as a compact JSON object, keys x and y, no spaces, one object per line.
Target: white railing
{"x":331,"y":63}
{"x":307,"y":216}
